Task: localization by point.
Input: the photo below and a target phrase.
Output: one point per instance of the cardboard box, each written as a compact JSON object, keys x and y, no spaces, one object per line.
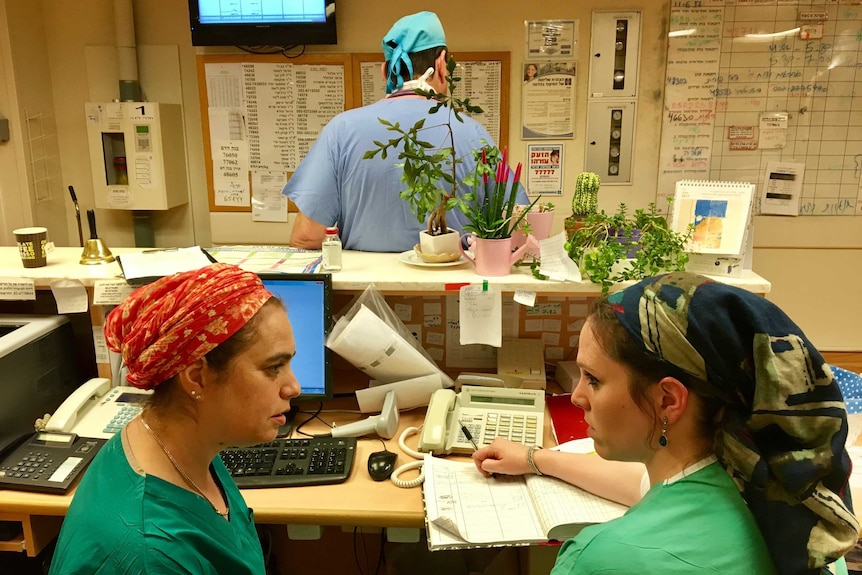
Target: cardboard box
{"x":568,"y":373}
{"x":524,"y":358}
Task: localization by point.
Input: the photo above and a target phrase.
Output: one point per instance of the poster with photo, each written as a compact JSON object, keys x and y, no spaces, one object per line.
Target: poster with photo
{"x":548,"y":100}
{"x":545,"y":173}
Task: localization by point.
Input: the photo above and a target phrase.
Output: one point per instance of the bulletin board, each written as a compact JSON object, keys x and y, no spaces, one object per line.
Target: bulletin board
{"x":484,"y":78}
{"x":755,"y":84}
{"x":261,"y":113}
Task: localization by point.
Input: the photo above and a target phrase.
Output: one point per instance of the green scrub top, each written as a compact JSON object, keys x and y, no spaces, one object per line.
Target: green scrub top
{"x":699,"y":522}
{"x":122,"y":521}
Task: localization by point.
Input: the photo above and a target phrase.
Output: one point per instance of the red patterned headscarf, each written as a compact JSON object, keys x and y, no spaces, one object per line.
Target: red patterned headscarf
{"x":164,"y":327}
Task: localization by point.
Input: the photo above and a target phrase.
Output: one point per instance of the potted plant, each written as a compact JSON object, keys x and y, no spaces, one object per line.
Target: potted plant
{"x":429,"y":176}
{"x":493,"y":215}
{"x":538,"y":222}
{"x":624,"y":246}
{"x":584,"y":201}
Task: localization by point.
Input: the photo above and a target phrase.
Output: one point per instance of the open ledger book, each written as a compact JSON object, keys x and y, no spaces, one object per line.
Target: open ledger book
{"x":465,"y":509}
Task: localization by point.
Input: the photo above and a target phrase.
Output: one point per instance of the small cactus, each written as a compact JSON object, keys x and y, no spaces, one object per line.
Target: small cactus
{"x":585,"y":200}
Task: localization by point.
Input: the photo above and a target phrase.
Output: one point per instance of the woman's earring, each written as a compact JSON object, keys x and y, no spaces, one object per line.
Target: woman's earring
{"x":196,"y":395}
{"x":663,"y":439}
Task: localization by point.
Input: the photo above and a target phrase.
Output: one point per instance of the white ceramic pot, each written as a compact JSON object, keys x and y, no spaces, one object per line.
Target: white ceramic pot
{"x":439,"y":249}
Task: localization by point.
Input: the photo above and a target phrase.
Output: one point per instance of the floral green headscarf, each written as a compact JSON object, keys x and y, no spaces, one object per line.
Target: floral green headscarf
{"x":784,"y":428}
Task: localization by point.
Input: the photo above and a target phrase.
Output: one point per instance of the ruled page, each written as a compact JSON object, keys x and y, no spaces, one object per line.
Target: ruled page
{"x":564,"y":509}
{"x":463,"y":507}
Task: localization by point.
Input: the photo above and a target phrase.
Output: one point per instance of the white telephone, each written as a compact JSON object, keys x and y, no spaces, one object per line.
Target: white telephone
{"x":486,"y":413}
{"x":97,"y":410}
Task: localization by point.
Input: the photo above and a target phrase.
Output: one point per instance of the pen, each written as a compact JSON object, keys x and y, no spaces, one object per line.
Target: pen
{"x":472,"y":441}
{"x":469,"y":437}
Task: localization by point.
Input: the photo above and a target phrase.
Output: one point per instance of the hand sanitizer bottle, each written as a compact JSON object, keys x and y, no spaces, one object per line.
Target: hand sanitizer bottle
{"x":331,"y":250}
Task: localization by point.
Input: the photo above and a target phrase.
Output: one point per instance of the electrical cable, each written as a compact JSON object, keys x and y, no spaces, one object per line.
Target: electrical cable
{"x":396,"y":474}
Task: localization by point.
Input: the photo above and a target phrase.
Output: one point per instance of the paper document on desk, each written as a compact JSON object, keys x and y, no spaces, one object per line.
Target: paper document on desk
{"x":149,"y":265}
{"x":463,"y":508}
{"x":280,"y":259}
{"x":370,"y":344}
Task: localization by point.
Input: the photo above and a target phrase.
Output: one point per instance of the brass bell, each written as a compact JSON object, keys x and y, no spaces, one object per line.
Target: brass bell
{"x":95,"y":250}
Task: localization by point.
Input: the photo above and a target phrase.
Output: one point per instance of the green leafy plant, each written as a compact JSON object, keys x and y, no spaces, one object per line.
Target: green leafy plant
{"x":545,"y":207}
{"x":642,"y":240}
{"x":431,"y":186}
{"x":495,"y":215}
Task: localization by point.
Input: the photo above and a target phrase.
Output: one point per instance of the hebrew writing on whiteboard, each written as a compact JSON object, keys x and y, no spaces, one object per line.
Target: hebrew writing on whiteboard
{"x":748,"y":83}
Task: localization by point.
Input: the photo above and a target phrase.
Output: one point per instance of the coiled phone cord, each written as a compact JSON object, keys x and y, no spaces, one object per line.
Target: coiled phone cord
{"x":417,"y":481}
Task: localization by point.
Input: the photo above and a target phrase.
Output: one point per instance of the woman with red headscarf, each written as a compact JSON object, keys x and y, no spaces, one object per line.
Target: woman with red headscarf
{"x":157,"y":498}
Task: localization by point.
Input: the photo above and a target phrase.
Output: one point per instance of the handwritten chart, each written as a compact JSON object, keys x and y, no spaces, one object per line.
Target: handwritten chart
{"x":751,"y":82}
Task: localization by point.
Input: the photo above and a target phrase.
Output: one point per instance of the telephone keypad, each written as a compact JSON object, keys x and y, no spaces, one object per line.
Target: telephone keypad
{"x":124,"y":415}
{"x":521,"y":428}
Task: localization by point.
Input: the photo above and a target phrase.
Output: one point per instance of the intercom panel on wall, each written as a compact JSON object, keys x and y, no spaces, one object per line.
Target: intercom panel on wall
{"x":615,"y":54}
{"x":610,"y":135}
{"x":137,"y":155}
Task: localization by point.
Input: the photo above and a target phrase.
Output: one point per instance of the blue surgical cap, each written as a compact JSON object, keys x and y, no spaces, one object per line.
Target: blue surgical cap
{"x":410,"y":34}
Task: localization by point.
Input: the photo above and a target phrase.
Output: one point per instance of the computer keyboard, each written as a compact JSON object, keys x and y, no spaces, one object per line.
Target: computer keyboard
{"x":291,"y":462}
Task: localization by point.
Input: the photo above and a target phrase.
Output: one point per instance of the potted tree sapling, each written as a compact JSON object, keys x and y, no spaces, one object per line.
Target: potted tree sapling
{"x":429,"y":170}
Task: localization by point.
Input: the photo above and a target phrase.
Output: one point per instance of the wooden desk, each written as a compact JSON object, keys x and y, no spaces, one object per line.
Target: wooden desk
{"x":358,"y":502}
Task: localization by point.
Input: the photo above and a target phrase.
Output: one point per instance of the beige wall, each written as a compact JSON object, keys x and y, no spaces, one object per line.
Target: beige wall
{"x":814,"y":263}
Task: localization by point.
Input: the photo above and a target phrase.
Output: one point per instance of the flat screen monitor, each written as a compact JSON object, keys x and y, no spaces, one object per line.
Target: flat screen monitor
{"x":308,"y":301}
{"x":262,"y":22}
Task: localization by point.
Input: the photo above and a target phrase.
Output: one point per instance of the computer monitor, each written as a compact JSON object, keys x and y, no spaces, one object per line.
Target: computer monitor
{"x":308,"y":301}
{"x":220,"y":23}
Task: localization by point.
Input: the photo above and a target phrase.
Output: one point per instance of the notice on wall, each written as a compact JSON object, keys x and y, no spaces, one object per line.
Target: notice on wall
{"x":782,"y":187}
{"x":268,"y":204}
{"x":548,"y":100}
{"x":552,"y":38}
{"x":545,"y":172}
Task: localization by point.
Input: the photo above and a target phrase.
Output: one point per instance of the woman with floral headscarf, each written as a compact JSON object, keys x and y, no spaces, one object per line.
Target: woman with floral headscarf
{"x":157,"y":498}
{"x":736,"y":418}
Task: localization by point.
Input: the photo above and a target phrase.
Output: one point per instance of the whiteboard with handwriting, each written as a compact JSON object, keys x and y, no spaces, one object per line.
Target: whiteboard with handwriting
{"x":750,"y":82}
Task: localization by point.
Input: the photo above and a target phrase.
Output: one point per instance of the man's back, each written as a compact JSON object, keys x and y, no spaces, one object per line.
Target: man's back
{"x":334,"y":184}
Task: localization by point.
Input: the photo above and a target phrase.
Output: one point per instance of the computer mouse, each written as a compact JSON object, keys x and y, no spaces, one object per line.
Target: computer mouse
{"x":381,"y":464}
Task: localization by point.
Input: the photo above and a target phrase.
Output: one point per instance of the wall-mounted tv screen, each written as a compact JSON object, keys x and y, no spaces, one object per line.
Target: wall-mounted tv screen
{"x":262,"y":22}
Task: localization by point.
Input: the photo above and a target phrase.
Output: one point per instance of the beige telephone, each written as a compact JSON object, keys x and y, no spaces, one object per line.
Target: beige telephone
{"x":96,"y":409}
{"x":485,"y":412}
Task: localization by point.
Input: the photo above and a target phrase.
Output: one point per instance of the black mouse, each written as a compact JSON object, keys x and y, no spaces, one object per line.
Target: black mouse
{"x":381,"y":464}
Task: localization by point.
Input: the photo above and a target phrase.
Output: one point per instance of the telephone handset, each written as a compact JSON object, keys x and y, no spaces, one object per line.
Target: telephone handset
{"x":437,"y":419}
{"x":487,"y":412}
{"x":96,"y":409}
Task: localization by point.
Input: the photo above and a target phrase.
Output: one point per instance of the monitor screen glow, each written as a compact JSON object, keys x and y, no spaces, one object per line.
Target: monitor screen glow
{"x":262,"y":22}
{"x":308,"y":301}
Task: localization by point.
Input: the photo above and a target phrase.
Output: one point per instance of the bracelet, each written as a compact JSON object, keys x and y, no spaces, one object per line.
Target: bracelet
{"x":530,"y":461}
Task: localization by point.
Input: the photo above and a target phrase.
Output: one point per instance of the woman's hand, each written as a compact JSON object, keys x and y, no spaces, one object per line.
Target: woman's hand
{"x":502,"y":456}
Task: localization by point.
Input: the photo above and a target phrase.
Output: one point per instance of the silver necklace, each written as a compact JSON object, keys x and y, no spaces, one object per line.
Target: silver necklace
{"x":183,"y":473}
